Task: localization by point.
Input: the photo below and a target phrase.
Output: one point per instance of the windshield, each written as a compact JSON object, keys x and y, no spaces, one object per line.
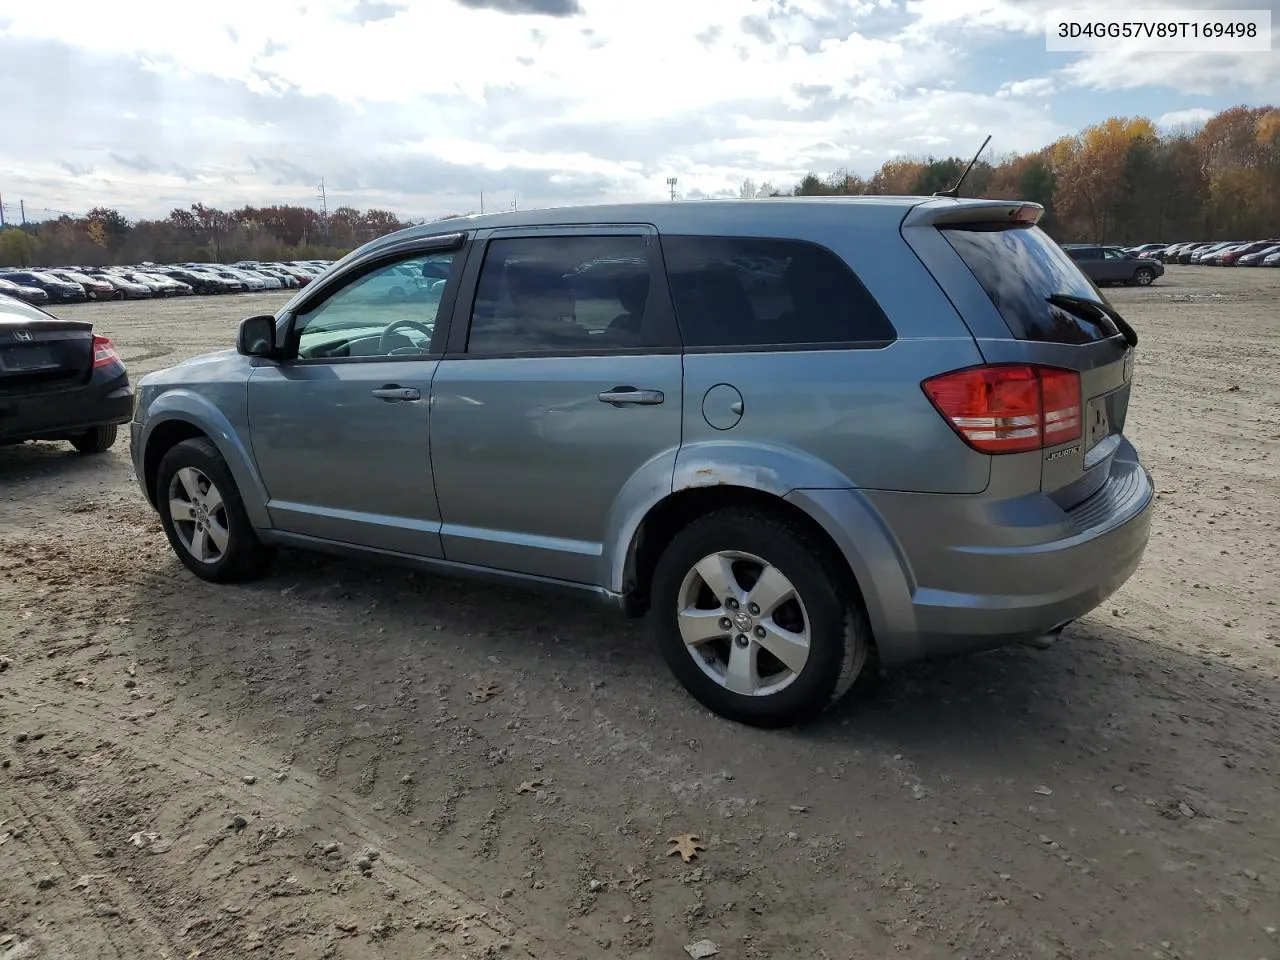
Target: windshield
{"x":1021,"y":268}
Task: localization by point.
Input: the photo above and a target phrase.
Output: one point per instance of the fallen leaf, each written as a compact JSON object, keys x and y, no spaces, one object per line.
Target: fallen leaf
{"x":687,"y":845}
{"x":702,"y":949}
{"x":1044,"y":791}
{"x":144,"y":838}
{"x":530,"y":786}
{"x":485,"y":692}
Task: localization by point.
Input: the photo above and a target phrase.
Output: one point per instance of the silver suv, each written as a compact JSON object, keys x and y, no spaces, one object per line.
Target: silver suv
{"x":794,"y":431}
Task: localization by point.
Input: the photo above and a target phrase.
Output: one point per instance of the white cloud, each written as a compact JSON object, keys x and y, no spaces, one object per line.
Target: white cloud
{"x":1035,"y":87}
{"x":1184,"y":118}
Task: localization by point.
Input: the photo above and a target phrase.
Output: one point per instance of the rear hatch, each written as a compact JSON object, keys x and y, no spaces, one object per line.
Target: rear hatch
{"x":1033,"y":306}
{"x":40,"y":353}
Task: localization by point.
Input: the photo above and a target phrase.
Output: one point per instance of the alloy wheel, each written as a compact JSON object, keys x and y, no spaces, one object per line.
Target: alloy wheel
{"x":199,"y":515}
{"x":744,"y":623}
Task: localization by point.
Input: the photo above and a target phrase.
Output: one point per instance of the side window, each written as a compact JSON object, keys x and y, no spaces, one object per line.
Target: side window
{"x":388,"y":312}
{"x":556,"y":294}
{"x":1115,"y":255}
{"x":746,"y":291}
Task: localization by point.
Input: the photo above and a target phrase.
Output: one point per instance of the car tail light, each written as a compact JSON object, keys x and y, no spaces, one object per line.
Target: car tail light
{"x":1009,"y":408}
{"x":104,"y":353}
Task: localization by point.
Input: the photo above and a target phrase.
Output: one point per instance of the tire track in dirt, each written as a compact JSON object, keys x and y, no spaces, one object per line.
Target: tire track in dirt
{"x":53,"y":857}
{"x":202,"y":759}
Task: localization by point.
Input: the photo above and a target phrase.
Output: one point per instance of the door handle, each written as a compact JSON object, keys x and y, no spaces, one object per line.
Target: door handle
{"x":623,"y":396}
{"x":393,"y":392}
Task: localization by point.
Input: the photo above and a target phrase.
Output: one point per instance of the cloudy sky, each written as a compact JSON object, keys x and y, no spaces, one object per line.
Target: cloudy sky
{"x":421,"y":105}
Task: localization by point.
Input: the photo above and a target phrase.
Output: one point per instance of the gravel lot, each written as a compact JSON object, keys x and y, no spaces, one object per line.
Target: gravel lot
{"x":297,"y":768}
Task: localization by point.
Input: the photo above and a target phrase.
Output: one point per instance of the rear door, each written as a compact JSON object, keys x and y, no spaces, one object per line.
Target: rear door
{"x":1090,"y":261}
{"x":1026,"y":301}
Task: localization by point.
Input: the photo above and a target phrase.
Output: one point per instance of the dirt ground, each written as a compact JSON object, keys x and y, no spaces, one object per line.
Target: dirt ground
{"x":297,"y":768}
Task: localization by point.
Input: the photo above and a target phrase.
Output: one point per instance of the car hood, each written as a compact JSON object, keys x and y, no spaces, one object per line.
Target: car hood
{"x":204,"y":359}
{"x":220,"y":365}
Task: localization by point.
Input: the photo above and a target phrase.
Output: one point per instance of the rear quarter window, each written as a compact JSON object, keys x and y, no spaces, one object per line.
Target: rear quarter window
{"x":751,"y":292}
{"x":1020,"y":267}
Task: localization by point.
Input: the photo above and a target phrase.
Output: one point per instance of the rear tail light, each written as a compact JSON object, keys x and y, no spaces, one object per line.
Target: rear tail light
{"x":1009,"y":408}
{"x":104,"y":353}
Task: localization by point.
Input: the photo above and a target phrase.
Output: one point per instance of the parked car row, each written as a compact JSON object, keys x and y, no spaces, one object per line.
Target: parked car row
{"x":1220,"y":253}
{"x":44,"y":285}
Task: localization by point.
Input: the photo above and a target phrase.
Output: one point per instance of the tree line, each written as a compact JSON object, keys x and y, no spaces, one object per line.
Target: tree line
{"x":199,"y":234}
{"x":1119,"y":181}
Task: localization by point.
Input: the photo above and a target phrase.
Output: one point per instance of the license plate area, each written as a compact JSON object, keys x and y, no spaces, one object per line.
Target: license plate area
{"x":33,"y":359}
{"x":1097,"y":422}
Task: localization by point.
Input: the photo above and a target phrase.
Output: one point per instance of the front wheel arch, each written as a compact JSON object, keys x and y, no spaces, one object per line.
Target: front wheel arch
{"x":164,"y":438}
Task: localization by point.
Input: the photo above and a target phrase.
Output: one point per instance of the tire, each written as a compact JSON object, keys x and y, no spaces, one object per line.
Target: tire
{"x":1143,"y":277}
{"x":839,"y":637}
{"x":97,"y":440}
{"x":240,"y":556}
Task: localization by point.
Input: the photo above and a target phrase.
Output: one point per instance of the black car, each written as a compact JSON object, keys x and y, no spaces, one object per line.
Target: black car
{"x":198,"y":282}
{"x":59,"y":380}
{"x":22,"y":292}
{"x":59,"y":291}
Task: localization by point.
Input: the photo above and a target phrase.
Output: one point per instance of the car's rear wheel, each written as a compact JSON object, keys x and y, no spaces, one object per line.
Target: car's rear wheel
{"x":204,"y":517}
{"x":751,"y":620}
{"x":1143,"y":277}
{"x":97,"y":440}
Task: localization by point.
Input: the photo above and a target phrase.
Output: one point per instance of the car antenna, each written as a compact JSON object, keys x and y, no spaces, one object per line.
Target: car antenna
{"x":954,"y":192}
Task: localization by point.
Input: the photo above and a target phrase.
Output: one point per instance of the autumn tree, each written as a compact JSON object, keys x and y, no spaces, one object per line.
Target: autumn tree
{"x":897,"y":177}
{"x":111,"y":228}
{"x":1090,"y":170}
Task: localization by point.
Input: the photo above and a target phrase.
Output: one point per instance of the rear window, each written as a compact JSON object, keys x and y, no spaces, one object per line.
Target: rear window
{"x":1020,"y":268}
{"x":749,"y":291}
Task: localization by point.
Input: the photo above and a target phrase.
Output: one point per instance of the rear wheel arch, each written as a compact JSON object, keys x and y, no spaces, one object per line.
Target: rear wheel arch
{"x":673,"y":513}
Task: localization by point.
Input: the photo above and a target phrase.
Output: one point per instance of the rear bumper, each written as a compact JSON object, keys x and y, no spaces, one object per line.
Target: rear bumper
{"x":53,"y":416}
{"x":956,"y":574}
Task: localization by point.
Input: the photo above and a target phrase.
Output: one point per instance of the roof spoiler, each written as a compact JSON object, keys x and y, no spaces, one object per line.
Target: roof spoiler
{"x":942,"y":212}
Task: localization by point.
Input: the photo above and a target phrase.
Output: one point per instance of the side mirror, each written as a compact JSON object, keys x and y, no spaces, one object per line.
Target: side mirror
{"x":257,"y":337}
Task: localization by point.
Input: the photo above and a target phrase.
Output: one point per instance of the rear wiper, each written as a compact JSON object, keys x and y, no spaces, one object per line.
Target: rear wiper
{"x":1093,"y":311}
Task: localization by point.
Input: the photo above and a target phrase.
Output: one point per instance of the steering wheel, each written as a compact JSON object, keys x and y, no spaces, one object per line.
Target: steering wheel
{"x":394,"y":325}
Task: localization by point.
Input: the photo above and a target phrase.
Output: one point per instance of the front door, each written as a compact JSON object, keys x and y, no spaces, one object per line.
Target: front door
{"x":561,"y":384}
{"x":1116,"y":266}
{"x":341,"y":428}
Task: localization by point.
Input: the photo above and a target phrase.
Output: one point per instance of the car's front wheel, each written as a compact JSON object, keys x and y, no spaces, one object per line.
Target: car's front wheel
{"x":97,"y":440}
{"x":752,"y":620}
{"x":204,"y":517}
